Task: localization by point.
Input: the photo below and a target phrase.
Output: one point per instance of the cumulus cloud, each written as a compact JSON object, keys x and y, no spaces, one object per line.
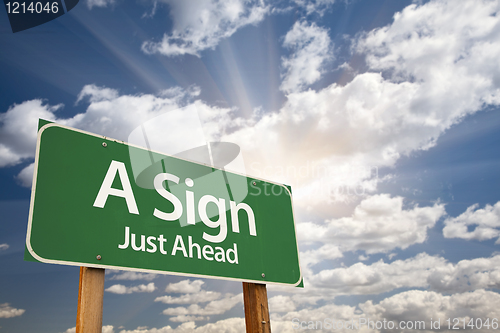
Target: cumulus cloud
{"x":466,"y":275}
{"x":281,"y":303}
{"x":18,"y":130}
{"x":192,"y":294}
{"x":422,"y":271}
{"x":198,"y":297}
{"x":310,"y":258}
{"x":413,"y":305}
{"x":441,"y":42}
{"x":185,"y":287}
{"x":486,"y":223}
{"x":116,"y":115}
{"x":6,"y":311}
{"x":184,"y":318}
{"x":435,"y":64}
{"x":200,"y":25}
{"x":4,"y":246}
{"x":105,"y":329}
{"x":378,"y":277}
{"x":97,"y":94}
{"x":447,"y":50}
{"x":99,"y":3}
{"x":25,"y":177}
{"x":108,"y":114}
{"x":315,"y":6}
{"x":132,"y":276}
{"x":216,"y":307}
{"x":417,"y":305}
{"x":121,"y":289}
{"x":230,"y":325}
{"x":378,"y":224}
{"x":311,"y":49}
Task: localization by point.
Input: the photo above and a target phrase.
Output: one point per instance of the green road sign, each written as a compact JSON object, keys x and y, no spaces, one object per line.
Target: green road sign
{"x":100,"y":202}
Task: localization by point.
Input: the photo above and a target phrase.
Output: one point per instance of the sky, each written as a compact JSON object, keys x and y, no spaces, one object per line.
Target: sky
{"x":380,"y":114}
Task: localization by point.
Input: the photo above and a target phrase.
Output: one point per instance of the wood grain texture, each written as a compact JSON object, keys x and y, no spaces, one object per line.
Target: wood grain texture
{"x":256,"y":308}
{"x":90,"y":296}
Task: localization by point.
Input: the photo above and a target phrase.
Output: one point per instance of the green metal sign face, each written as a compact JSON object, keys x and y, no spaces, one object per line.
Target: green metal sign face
{"x":93,"y":204}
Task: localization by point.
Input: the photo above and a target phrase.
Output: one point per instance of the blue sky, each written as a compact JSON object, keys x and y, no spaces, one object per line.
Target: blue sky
{"x":388,"y":107}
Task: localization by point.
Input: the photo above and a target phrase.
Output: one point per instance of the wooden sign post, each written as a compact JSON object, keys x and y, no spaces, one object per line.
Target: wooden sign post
{"x":90,"y":298}
{"x":256,"y":308}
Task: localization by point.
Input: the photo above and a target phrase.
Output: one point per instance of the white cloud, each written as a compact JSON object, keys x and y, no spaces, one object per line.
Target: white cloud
{"x":422,"y":271}
{"x":417,"y":305}
{"x":311,"y":50}
{"x":486,"y":222}
{"x":378,"y":277}
{"x":97,"y":94}
{"x":105,"y":329}
{"x":466,"y":275}
{"x":6,"y":311}
{"x":108,"y":114}
{"x":186,"y":327}
{"x":440,"y":42}
{"x":121,"y":289}
{"x":283,"y":323}
{"x":99,"y":3}
{"x":117,"y":115}
{"x":184,"y":318}
{"x":435,"y":64}
{"x":200,"y":25}
{"x":310,"y":258}
{"x":18,"y":130}
{"x":281,"y":303}
{"x":198,"y":297}
{"x":192,"y":295}
{"x":413,"y":305}
{"x":315,"y":6}
{"x":132,"y":276}
{"x":185,"y":287}
{"x":230,"y":325}
{"x":447,"y":50}
{"x":378,"y":224}
{"x":25,"y":177}
{"x":216,"y":307}
{"x":4,"y":246}
{"x":364,"y":258}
